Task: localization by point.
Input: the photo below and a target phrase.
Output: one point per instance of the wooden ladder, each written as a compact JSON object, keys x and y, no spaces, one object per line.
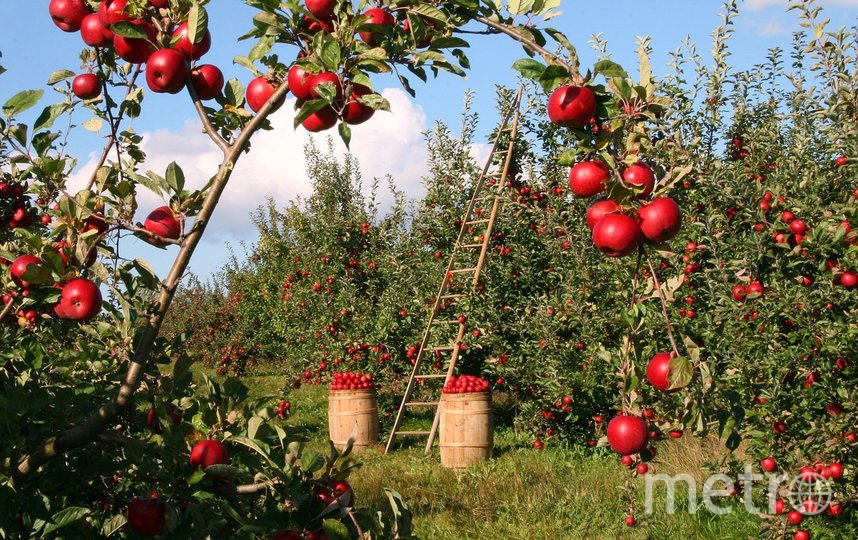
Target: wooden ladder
{"x":488,"y":190}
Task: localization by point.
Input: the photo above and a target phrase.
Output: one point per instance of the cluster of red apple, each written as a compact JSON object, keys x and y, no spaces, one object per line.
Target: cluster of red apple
{"x":742,"y":292}
{"x":167,"y":68}
{"x":17,"y":203}
{"x":844,"y":278}
{"x":80,"y":298}
{"x":350,"y":380}
{"x":464,"y":384}
{"x":615,"y":232}
{"x":808,"y":475}
{"x":147,"y":515}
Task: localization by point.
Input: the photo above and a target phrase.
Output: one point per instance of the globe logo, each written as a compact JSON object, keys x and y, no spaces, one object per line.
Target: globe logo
{"x":810,"y":493}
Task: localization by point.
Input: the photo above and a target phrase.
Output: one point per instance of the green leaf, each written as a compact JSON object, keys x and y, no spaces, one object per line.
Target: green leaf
{"x":49,"y":116}
{"x":335,"y":530}
{"x":113,"y":524}
{"x":681,"y":373}
{"x":345,"y":133}
{"x":175,"y":177}
{"x":610,"y":69}
{"x":553,"y":76}
{"x":147,"y":274}
{"x":253,"y":426}
{"x":93,"y":124}
{"x":128,"y":30}
{"x":429,"y":12}
{"x":329,"y":51}
{"x":60,"y":75}
{"x":64,"y":517}
{"x":182,"y":366}
{"x":520,"y":7}
{"x":22,"y":101}
{"x":260,"y":449}
{"x":312,"y":461}
{"x":529,"y":68}
{"x":309,"y":108}
{"x":198,"y":20}
{"x":234,"y":93}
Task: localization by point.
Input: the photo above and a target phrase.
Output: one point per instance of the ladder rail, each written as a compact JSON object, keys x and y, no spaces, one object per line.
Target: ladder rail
{"x":510,"y":116}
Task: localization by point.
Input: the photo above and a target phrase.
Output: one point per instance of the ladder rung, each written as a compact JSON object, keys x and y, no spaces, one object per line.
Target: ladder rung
{"x":413,"y":433}
{"x":444,"y":348}
{"x":462,"y":270}
{"x":446,"y":296}
{"x":431,"y":376}
{"x":476,"y":221}
{"x":471,"y":245}
{"x":451,"y":321}
{"x":423,"y":404}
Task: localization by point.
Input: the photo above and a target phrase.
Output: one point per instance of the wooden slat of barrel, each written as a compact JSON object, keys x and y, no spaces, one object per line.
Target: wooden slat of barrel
{"x":353,"y":411}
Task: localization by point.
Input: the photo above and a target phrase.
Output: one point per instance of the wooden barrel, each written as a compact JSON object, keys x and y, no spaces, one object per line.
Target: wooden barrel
{"x":466,"y":429}
{"x":353,"y":412}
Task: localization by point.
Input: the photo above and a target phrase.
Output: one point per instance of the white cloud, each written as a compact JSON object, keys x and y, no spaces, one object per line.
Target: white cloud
{"x":388,"y":144}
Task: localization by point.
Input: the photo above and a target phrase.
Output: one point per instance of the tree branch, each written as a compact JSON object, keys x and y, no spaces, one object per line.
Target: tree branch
{"x":100,"y":420}
{"x":663,"y":306}
{"x":532,"y":46}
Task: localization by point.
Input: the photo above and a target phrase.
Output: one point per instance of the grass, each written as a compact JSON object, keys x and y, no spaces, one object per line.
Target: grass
{"x":523,"y":493}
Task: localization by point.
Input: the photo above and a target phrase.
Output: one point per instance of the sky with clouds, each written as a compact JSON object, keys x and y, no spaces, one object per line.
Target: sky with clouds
{"x":390,"y":143}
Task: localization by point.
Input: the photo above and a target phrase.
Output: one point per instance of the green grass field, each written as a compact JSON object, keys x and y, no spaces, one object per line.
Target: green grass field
{"x":523,"y":493}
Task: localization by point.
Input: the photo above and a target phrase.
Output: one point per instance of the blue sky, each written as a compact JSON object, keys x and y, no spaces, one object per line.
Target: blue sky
{"x":33,"y":48}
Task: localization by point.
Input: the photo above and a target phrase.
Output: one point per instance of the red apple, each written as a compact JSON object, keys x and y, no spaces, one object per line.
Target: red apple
{"x":627,"y":434}
{"x":135,"y":50}
{"x":323,"y":24}
{"x":112,"y":11}
{"x":641,"y":176}
{"x":768,"y":464}
{"x":571,"y":106}
{"x":287,"y":535}
{"x":86,"y":86}
{"x":166,"y":71}
{"x":259,"y":91}
{"x":616,"y":235}
{"x":320,"y":8}
{"x":320,"y":120}
{"x":588,"y":178}
{"x":208,"y":452}
{"x":299,"y":81}
{"x":841,"y":161}
{"x":94,"y":33}
{"x":80,"y":300}
{"x":599,"y":209}
{"x":163,"y":222}
{"x":159,"y":3}
{"x":146,"y":516}
{"x":658,"y":372}
{"x":21,"y":265}
{"x":379,"y":17}
{"x":659,"y":220}
{"x":192,"y":51}
{"x":740,"y":292}
{"x":849,"y":280}
{"x":207,"y":80}
{"x":68,"y":14}
{"x":325,"y":77}
{"x":355,"y":112}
